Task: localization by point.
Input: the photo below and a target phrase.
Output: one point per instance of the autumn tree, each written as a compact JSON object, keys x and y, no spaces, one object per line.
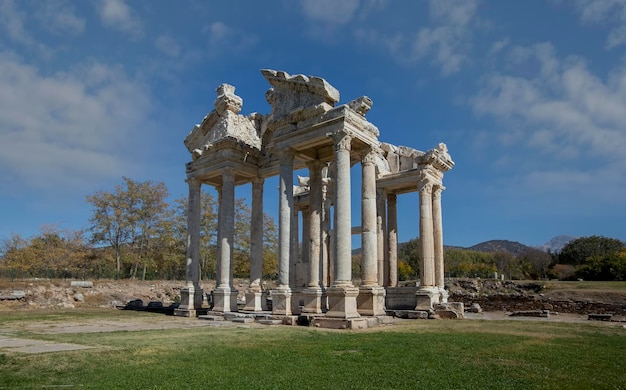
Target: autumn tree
{"x":52,"y":253}
{"x":128,"y":219}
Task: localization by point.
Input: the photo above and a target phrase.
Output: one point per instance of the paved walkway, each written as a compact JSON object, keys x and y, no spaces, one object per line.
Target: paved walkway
{"x":13,"y":344}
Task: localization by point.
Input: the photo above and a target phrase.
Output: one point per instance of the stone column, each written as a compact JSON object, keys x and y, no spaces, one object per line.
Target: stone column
{"x":428,"y":294}
{"x":281,"y":296}
{"x":392,"y":239}
{"x":192,"y":294}
{"x":225,"y":296}
{"x":254,"y":295}
{"x":438,"y":243}
{"x":371,"y":299}
{"x":342,"y":295}
{"x":313,"y":293}
{"x":381,"y":226}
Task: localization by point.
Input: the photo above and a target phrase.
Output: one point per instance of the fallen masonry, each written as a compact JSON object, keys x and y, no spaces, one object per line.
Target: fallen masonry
{"x":307,"y":129}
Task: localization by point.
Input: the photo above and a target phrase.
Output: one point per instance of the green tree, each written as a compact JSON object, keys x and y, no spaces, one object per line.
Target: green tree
{"x":576,"y":252}
{"x":130,"y":218}
{"x":410,"y":253}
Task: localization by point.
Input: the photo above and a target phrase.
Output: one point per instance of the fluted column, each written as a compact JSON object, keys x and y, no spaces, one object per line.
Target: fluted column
{"x":281,"y":296}
{"x":438,"y":237}
{"x":192,"y":295}
{"x":392,"y":239}
{"x":438,"y":243}
{"x":428,"y":294}
{"x":369,"y":239}
{"x":254,"y":295}
{"x":227,"y":227}
{"x":312,"y":234}
{"x":315,"y":222}
{"x":342,"y":295}
{"x":193,"y":233}
{"x":371,"y":299}
{"x":285,"y":217}
{"x":343,"y":219}
{"x":256,"y":234}
{"x":427,"y":265}
{"x":381,"y":226}
{"x":224,"y":295}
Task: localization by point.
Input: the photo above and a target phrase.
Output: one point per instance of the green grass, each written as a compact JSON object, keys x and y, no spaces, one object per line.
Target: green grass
{"x":467,"y":354}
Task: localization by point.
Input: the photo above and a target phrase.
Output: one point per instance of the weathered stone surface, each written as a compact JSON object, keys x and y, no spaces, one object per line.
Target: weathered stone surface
{"x":81,"y":283}
{"x":305,"y":130}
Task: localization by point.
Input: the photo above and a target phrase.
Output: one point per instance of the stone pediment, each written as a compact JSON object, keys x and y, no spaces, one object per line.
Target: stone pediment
{"x":224,"y":123}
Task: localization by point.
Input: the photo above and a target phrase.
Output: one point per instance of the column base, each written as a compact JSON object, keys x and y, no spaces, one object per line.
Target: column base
{"x":190,"y":301}
{"x":342,"y":302}
{"x":312,"y":297}
{"x":281,"y":301}
{"x":443,"y":295}
{"x":254,"y":300}
{"x":297,"y":302}
{"x":224,"y":300}
{"x":371,"y":301}
{"x":426,"y":298}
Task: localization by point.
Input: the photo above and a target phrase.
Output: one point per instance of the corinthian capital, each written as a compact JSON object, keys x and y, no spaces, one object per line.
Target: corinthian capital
{"x":343,"y":140}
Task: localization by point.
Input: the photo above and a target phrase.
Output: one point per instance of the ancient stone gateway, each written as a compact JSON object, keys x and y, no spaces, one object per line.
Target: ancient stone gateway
{"x":306,"y":129}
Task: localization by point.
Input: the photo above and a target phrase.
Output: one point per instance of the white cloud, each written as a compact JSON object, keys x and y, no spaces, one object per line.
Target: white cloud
{"x":572,"y":121}
{"x":118,"y":15}
{"x":168,"y":46}
{"x":606,"y":13}
{"x":330,"y":11}
{"x":66,"y":130}
{"x":224,"y":38}
{"x":59,"y":16}
{"x":445,"y":43}
{"x":13,"y":22}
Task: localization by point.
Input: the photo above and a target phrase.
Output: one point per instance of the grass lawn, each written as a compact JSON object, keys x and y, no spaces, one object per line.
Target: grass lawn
{"x":426,"y":354}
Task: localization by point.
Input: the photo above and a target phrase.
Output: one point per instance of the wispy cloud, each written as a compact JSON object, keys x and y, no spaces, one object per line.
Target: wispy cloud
{"x":330,"y":11}
{"x":67,"y":129}
{"x":445,"y":43}
{"x":59,"y":16}
{"x":574,"y":119}
{"x":167,"y":45}
{"x":119,"y":16}
{"x":225,"y":38}
{"x":609,"y":13}
{"x":12,"y":21}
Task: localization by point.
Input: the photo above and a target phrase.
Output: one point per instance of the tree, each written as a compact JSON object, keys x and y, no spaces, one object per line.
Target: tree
{"x":410,"y":253}
{"x":53,"y":253}
{"x":129,"y":218}
{"x":576,"y":252}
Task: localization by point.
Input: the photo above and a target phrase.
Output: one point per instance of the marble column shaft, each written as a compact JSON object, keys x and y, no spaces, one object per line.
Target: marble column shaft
{"x":369,"y":237}
{"x":427,"y":265}
{"x":381,"y":225}
{"x":227,"y":227}
{"x":193,"y":234}
{"x":343,"y":219}
{"x":256,"y":234}
{"x":438,"y":237}
{"x":392,"y":239}
{"x":315,"y":223}
{"x":285,"y":218}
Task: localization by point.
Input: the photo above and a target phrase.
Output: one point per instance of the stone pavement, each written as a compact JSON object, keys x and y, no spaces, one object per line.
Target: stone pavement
{"x":13,"y":344}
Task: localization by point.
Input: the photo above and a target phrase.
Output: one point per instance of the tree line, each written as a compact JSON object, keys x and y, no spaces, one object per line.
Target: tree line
{"x":134,"y":232}
{"x":589,"y":258}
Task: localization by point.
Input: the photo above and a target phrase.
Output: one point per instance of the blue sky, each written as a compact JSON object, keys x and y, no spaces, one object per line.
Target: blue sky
{"x":529,"y":96}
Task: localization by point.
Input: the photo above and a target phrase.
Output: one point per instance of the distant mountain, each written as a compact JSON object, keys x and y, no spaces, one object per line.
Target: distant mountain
{"x":556,"y":244}
{"x":512,"y":247}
